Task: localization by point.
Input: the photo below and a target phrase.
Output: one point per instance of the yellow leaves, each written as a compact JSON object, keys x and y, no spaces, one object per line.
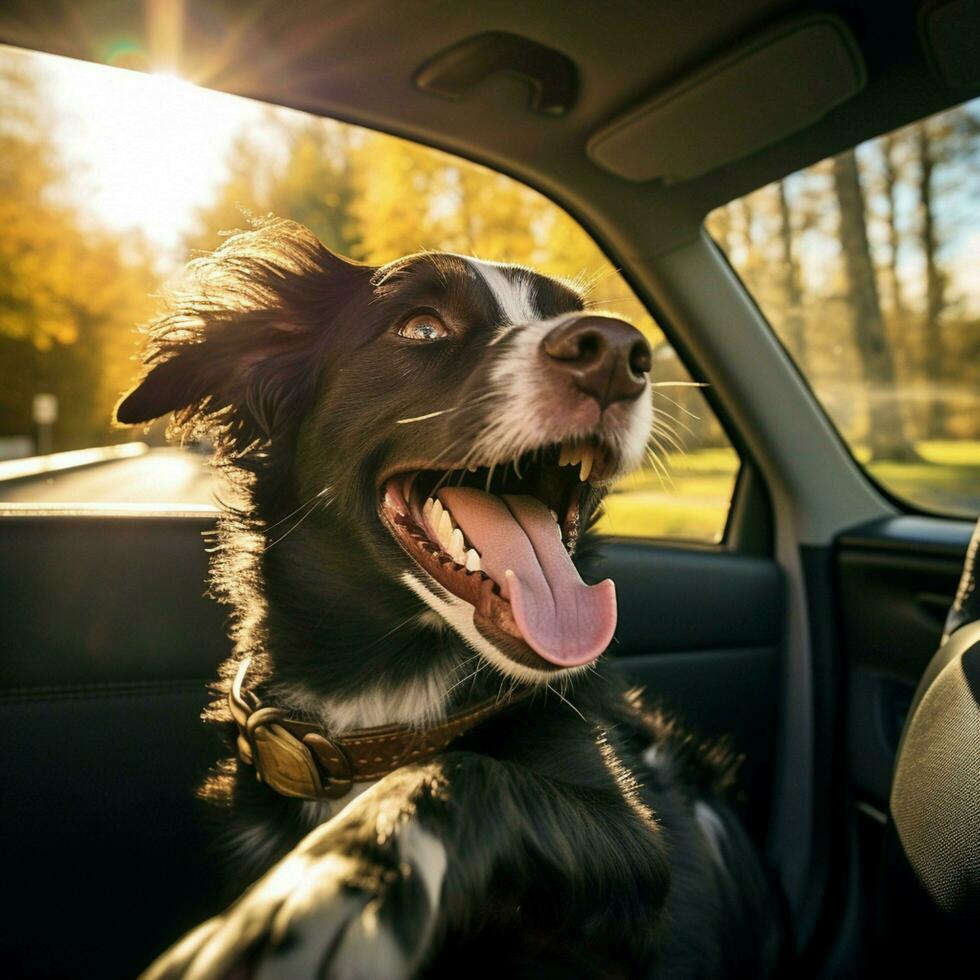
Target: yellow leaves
{"x":70,"y":293}
{"x":56,"y":275}
{"x":376,"y":198}
{"x":409,"y":197}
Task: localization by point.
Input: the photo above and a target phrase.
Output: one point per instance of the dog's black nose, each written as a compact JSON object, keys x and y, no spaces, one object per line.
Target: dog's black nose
{"x":605,"y":358}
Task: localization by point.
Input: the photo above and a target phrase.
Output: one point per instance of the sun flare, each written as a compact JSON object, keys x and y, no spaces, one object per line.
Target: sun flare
{"x":149,"y":149}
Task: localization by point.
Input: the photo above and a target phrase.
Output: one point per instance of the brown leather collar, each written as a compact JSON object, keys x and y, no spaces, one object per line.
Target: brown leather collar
{"x":296,"y":758}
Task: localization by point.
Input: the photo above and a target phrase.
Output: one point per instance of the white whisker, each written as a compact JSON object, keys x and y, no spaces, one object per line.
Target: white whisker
{"x":393,"y":630}
{"x":671,"y":439}
{"x":659,"y":468}
{"x":677,"y":404}
{"x":319,"y":493}
{"x":470,"y":676}
{"x":422,"y":418}
{"x":569,"y":703}
{"x":316,"y":500}
{"x":664,"y":419}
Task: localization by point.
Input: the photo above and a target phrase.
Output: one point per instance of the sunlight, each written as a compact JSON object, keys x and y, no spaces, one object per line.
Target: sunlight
{"x":149,"y":149}
{"x":170,"y":80}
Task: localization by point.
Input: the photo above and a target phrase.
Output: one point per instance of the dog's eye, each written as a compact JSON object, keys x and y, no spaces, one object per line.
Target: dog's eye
{"x":424,"y":327}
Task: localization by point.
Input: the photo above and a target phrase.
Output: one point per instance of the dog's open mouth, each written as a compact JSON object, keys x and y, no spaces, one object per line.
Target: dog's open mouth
{"x":501,"y":538}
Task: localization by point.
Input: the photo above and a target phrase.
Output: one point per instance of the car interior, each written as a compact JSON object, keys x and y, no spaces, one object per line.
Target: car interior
{"x":803,"y":635}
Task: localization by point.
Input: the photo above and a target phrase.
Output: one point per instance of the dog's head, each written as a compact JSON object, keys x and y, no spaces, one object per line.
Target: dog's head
{"x":455,"y":422}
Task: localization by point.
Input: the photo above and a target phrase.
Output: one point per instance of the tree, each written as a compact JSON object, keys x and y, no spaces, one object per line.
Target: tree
{"x":927,"y":151}
{"x":70,"y":293}
{"x":891,"y":146}
{"x":309,"y":180}
{"x":409,"y":198}
{"x":886,"y":438}
{"x":792,"y":286}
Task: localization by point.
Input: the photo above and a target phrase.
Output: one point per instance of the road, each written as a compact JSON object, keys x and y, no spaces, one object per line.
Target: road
{"x":174,"y":477}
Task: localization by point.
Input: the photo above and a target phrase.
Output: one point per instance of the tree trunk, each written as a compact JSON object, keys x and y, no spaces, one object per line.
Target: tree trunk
{"x":741,"y":232}
{"x":891,"y":188}
{"x":935,"y":286}
{"x":886,"y":437}
{"x":795,"y":333}
{"x":904,"y":349}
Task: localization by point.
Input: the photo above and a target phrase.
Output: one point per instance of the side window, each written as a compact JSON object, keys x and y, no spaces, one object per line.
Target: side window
{"x":101,"y":208}
{"x":866,"y":266}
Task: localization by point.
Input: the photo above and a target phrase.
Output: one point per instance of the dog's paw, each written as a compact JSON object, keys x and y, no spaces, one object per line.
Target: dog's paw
{"x":323,"y":912}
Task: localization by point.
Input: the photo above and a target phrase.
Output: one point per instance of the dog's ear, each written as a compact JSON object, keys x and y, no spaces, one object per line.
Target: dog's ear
{"x":233,"y":352}
{"x":165,"y":388}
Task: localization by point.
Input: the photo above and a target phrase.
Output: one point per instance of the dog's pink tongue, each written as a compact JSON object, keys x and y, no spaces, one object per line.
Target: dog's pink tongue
{"x":561,"y":618}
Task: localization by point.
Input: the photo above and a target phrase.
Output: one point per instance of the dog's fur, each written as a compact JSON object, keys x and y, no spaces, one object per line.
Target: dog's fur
{"x":576,"y":834}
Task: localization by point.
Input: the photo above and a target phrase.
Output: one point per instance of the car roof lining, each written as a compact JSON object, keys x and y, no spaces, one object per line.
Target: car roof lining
{"x":357,"y":62}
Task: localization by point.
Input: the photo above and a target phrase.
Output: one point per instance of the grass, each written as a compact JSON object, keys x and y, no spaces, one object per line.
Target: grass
{"x":692,"y":504}
{"x":947,"y":481}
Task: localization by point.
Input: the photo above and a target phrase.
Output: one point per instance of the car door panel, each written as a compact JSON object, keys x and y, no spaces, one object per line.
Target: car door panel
{"x":896,"y":581}
{"x":110,"y":642}
{"x":701,"y":631}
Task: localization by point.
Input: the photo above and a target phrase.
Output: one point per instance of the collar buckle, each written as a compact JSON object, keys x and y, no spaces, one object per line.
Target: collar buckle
{"x":297,"y":758}
{"x":281,"y":760}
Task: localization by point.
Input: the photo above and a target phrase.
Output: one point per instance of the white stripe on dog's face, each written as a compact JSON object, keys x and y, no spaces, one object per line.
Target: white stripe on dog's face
{"x":526,"y":417}
{"x":512,"y":293}
{"x":525,"y":412}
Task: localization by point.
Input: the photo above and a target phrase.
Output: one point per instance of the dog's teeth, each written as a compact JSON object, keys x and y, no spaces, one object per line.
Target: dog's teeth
{"x":554,"y":516}
{"x":456,"y":547}
{"x":586,"y":469}
{"x":472,"y":561}
{"x":435,"y":514}
{"x":445,"y":529}
{"x":427,"y":508}
{"x":574,"y":455}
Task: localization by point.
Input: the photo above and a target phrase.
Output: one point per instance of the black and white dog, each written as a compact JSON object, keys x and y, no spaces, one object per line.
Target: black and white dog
{"x":419,"y":447}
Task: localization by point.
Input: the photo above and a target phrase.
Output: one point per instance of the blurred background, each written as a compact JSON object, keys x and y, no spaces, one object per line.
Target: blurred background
{"x":866,"y":266}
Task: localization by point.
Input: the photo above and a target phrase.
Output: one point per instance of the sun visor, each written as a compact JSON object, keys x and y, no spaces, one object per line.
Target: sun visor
{"x":951,"y":32}
{"x":771,"y":87}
